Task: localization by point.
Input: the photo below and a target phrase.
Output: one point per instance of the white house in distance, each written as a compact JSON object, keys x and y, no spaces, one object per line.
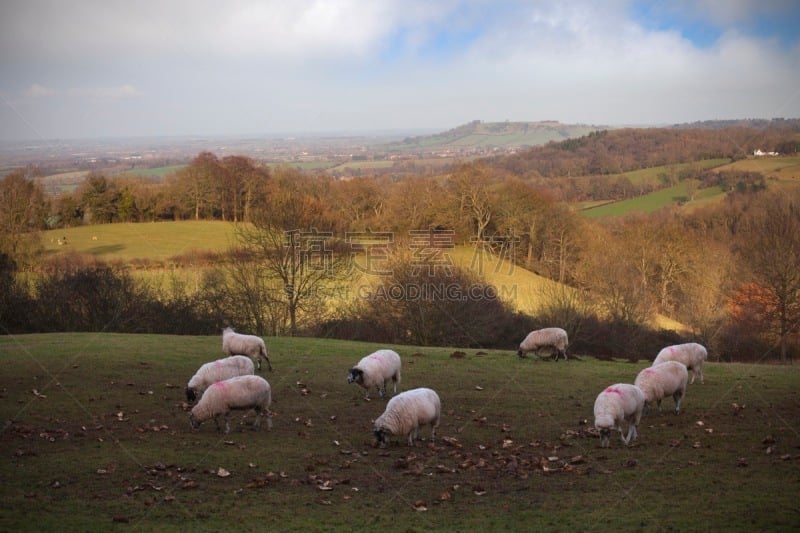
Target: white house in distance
{"x":759,"y":153}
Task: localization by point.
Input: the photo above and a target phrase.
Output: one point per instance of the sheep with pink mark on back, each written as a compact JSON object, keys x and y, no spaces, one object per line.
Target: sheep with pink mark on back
{"x":691,"y":354}
{"x":239,"y":393}
{"x":662,"y":380}
{"x":219,"y":370}
{"x":375,"y":370}
{"x":618,"y":403}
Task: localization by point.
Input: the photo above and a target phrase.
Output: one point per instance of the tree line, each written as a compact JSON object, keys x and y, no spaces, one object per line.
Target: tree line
{"x":729,"y":271}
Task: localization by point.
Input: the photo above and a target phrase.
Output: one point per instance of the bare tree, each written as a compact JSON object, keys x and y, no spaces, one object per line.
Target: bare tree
{"x":22,"y":211}
{"x":771,"y":250}
{"x":289,"y":250}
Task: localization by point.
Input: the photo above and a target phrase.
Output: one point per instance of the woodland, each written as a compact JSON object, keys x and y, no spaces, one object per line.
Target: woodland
{"x":728,"y":272}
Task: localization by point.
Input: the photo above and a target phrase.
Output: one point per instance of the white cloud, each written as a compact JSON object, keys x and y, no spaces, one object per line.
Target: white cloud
{"x":39,"y":91}
{"x":273,"y":65}
{"x":108,"y":93}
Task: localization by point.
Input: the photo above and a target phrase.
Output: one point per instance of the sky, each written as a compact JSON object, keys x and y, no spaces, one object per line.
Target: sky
{"x":128,"y":68}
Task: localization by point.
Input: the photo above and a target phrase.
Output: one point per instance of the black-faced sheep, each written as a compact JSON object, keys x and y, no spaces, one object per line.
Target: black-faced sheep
{"x":239,"y":393}
{"x":555,"y":338}
{"x":375,"y":370}
{"x":219,"y":370}
{"x":406,"y":412}
{"x":617,"y":403}
{"x":662,"y":380}
{"x":691,"y":354}
{"x":238,"y":344}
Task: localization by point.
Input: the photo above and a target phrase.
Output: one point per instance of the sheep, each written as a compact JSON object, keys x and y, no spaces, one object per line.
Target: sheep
{"x":662,"y":380}
{"x":691,"y":354}
{"x":617,"y":403}
{"x":219,"y":370}
{"x":375,"y":370}
{"x":556,"y":338}
{"x":238,"y":344}
{"x":406,"y":412}
{"x":238,"y":393}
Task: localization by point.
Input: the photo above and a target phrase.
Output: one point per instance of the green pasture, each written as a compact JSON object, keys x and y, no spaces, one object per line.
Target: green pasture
{"x":648,"y":203}
{"x":653,"y":174}
{"x":158,"y":242}
{"x":364,"y":165}
{"x":155,"y":172}
{"x":96,"y":437}
{"x":154,"y":241}
{"x":780,"y":168}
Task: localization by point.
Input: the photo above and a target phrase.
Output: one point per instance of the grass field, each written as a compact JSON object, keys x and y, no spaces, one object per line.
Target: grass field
{"x":654,"y":201}
{"x":96,"y":436}
{"x":155,"y":172}
{"x":779,"y":171}
{"x":156,"y":241}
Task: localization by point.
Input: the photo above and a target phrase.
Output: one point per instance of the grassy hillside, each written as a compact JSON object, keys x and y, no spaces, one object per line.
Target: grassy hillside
{"x":779,"y":171}
{"x":675,"y":195}
{"x":155,"y":172}
{"x":479,"y":134}
{"x":156,"y":241}
{"x":96,"y":436}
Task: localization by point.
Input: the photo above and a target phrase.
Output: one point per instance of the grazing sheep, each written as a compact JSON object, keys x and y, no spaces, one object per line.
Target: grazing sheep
{"x":219,"y":370}
{"x":406,"y":412}
{"x":238,"y":344}
{"x":691,"y":354}
{"x":556,"y":338}
{"x":375,"y":370}
{"x":239,"y":393}
{"x":662,"y":380}
{"x":617,"y":403}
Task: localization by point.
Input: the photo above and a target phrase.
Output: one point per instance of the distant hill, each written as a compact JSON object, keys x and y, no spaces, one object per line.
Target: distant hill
{"x":485,"y":136}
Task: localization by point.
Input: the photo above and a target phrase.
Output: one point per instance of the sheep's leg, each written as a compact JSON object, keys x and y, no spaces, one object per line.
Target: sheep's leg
{"x":257,"y":422}
{"x":433,"y":433}
{"x":269,"y":419}
{"x":227,"y":423}
{"x":622,"y":435}
{"x":678,"y":396}
{"x":659,"y":406}
{"x":216,"y":421}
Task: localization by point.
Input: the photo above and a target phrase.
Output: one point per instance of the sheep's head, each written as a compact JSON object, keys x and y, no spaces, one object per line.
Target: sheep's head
{"x":381,"y":436}
{"x":605,"y":437}
{"x":191,"y":395}
{"x":520,"y":353}
{"x":193,"y":421}
{"x":356,"y":375}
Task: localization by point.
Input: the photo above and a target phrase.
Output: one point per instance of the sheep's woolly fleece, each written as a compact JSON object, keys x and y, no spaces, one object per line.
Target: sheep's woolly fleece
{"x":615,"y":404}
{"x":375,"y":370}
{"x":406,"y":412}
{"x":662,"y":380}
{"x":556,"y":338}
{"x":219,"y":370}
{"x":239,"y":393}
{"x":239,"y":344}
{"x":691,"y":354}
